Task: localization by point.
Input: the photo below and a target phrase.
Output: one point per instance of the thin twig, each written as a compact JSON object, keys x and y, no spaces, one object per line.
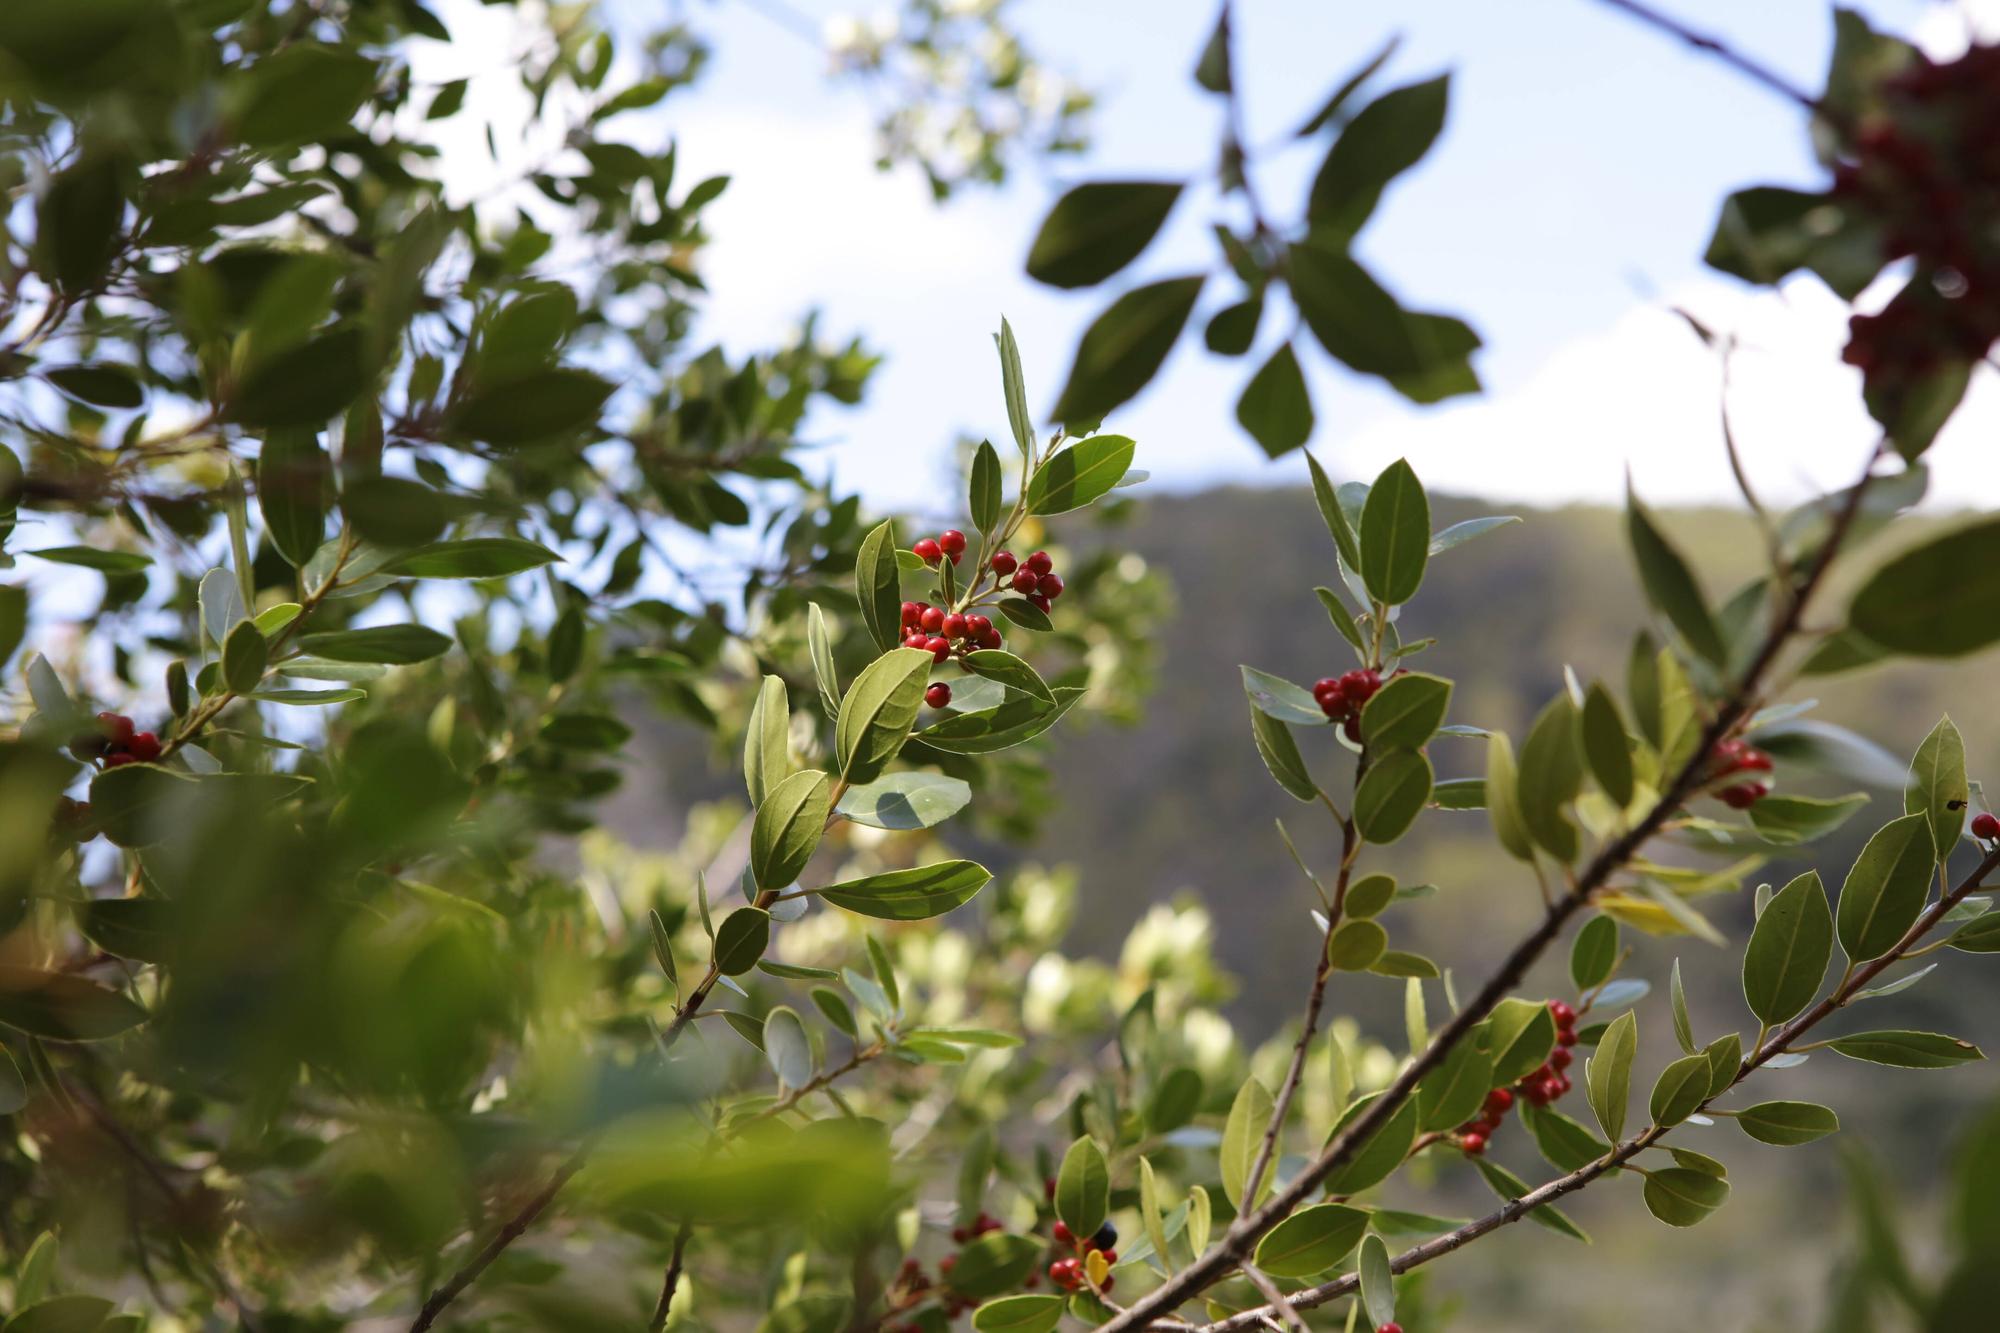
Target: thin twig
{"x":1236,"y":1243}
{"x":673,"y":1278}
{"x":509,"y":1233}
{"x":1756,"y":70}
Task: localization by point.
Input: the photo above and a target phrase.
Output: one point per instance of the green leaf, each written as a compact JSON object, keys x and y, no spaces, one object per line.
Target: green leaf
{"x":530,"y":408}
{"x":60,"y":1006}
{"x":1083,"y":1187}
{"x":822,"y":1313}
{"x":1670,"y":585}
{"x":1938,"y":789}
{"x":1594,"y":954}
{"x":1276,"y":407}
{"x":1378,"y":1282}
{"x":585,"y":731}
{"x":906,"y":800}
{"x":472,"y":558}
{"x":60,"y":1314}
{"x":1019,"y":420}
{"x":1567,"y":1144}
{"x":36,"y":1270}
{"x":1097,"y":229}
{"x":91,"y":557}
{"x":767,"y":752}
{"x":1397,"y":963}
{"x":244,"y":654}
{"x":1123,"y":348}
{"x":300,"y":92}
{"x":1786,"y":958}
{"x":663,"y":948}
{"x":1380,"y":1155}
{"x":103,"y":385}
{"x":1680,"y":1090}
{"x":1941,"y":599}
{"x":876,"y":716}
{"x":1014,"y":673}
{"x":741,"y":940}
{"x":1280,"y":699}
{"x":1020,"y":719}
{"x":1519,"y":1036}
{"x":1311,"y":1241}
{"x":916,"y":894}
{"x":394,"y":645}
{"x":1981,"y":935}
{"x":78,"y":225}
{"x":1175,"y":1100}
{"x":1362,"y":326}
{"x":1019,"y":1314}
{"x":1605,"y":745}
{"x":1405,"y":712}
{"x":1391,"y":795}
{"x":1356,"y":946}
{"x":1787,"y":1124}
{"x":1681,"y":1197}
{"x":787,"y":828}
{"x":1607,"y":1074}
{"x":1551,"y":776}
{"x":786,"y":1047}
{"x":1026,"y":614}
{"x":293,"y":480}
{"x":1386,"y":138}
{"x":985,"y":488}
{"x":1907,"y":1050}
{"x":1786,"y":821}
{"x":1369,"y":896}
{"x":1395,"y":535}
{"x":137,"y":805}
{"x":1503,"y":799}
{"x":1242,"y":1138}
{"x":395,"y":511}
{"x":1458,"y":534}
{"x":1344,"y":539}
{"x":1511,"y":1187}
{"x":878,"y":586}
{"x":1280,"y":753}
{"x":1886,"y":889}
{"x":304,"y":385}
{"x":819,"y":644}
{"x":1683,"y":1028}
{"x":1452,"y":1093}
{"x":1343,"y":621}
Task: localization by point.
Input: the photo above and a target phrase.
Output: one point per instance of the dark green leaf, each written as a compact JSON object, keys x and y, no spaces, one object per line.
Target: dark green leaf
{"x":1511,"y":1187}
{"x":1391,"y":795}
{"x":1124,"y":347}
{"x":1787,"y":1124}
{"x":395,"y":645}
{"x":101,"y":385}
{"x":1551,"y":775}
{"x":1608,"y":1074}
{"x":293,"y":481}
{"x":1406,"y":712}
{"x":1386,"y":138}
{"x":1276,"y":407}
{"x":1938,"y":789}
{"x":1907,"y":1050}
{"x":1012,"y":723}
{"x":1594,"y":954}
{"x":304,"y":385}
{"x":1886,"y":889}
{"x":1083,"y":1187}
{"x":61,"y":1006}
{"x":787,"y":828}
{"x":1395,"y":535}
{"x":910,"y":895}
{"x":537,"y":406}
{"x":1941,"y":599}
{"x":878,"y":585}
{"x":1670,"y":585}
{"x":1014,"y":673}
{"x":1311,"y":1241}
{"x":473,"y":558}
{"x":985,"y":490}
{"x":1681,"y":1197}
{"x":1097,"y":229}
{"x":1786,"y":958}
{"x":244,"y":654}
{"x":1605,"y":745}
{"x":741,"y":940}
{"x":876,"y":716}
{"x":1280,"y":753}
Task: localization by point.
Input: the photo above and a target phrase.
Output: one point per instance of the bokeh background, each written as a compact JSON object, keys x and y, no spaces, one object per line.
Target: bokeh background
{"x":1564,"y":214}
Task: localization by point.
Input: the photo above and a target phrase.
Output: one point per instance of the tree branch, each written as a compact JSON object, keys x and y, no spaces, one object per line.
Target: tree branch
{"x":660,"y":1311}
{"x":1775,"y":1045}
{"x":1755,"y":70}
{"x":1236,"y":1243}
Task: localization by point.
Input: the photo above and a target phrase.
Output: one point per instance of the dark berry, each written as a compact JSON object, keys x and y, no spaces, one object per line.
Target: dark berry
{"x":1565,"y":1037}
{"x":1040,"y":563}
{"x":989,"y":637}
{"x":1003,"y":563}
{"x":118,"y":760}
{"x":952,"y":541}
{"x":1105,"y":1237}
{"x":1050,"y":585}
{"x":927,"y":551}
{"x":117,"y":729}
{"x":911,"y":610}
{"x":1985,"y":827}
{"x":959,"y":1235}
{"x":937,"y":696}
{"x":144,"y":747}
{"x":1559,"y":1058}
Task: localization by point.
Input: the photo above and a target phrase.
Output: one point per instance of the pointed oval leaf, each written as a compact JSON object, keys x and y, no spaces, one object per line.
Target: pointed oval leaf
{"x":1680,"y":1090}
{"x":1073,"y":477}
{"x":1123,"y":348}
{"x":1083,"y":1187}
{"x":767,"y":755}
{"x":878,"y":585}
{"x":1391,"y":795}
{"x":1605,"y":745}
{"x":1938,"y":788}
{"x":1311,"y":1241}
{"x":1098,"y":228}
{"x":1885,"y":890}
{"x":910,"y":895}
{"x":1681,"y":1197}
{"x":1670,"y":585}
{"x":878,"y":712}
{"x":1242,"y":1137}
{"x":1395,"y":536}
{"x":1907,"y":1049}
{"x":1406,"y":711}
{"x":1789,"y":947}
{"x":786,"y":1047}
{"x":787,"y":827}
{"x":1594,"y":955}
{"x":1607,"y":1074}
{"x":1940,"y":600}
{"x":741,"y":940}
{"x":471,"y":558}
{"x":1787,"y":1124}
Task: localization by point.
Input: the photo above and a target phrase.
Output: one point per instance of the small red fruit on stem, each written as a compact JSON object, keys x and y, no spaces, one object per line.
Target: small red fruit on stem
{"x":938,"y":695}
{"x":928,"y":551}
{"x":1985,"y":827}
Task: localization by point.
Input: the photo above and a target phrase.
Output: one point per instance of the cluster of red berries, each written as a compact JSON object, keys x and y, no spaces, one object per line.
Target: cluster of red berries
{"x":940,"y":631}
{"x":114,"y":742}
{"x":1546,"y":1083}
{"x":1986,"y":827}
{"x":1928,"y":169}
{"x":912,"y":1283}
{"x":1739,"y":756}
{"x":1034,"y":578}
{"x":1341,"y":697}
{"x":949,"y":544}
{"x":1069,"y":1273}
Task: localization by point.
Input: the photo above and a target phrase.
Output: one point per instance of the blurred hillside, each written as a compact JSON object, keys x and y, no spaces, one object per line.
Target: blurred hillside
{"x":1181,"y":803}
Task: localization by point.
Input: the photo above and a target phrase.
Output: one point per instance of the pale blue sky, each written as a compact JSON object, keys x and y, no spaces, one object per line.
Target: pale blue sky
{"x":1574,"y":189}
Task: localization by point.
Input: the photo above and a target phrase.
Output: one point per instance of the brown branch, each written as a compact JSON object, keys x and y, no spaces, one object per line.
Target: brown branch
{"x":501,"y":1239}
{"x":660,"y":1311}
{"x":1756,"y":70}
{"x":1776,"y":1044}
{"x":1236,"y":1244}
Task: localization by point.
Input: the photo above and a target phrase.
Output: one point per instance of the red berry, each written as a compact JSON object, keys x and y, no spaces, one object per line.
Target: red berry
{"x":953,"y":626}
{"x":937,"y":696}
{"x":1108,"y":1283}
{"x":1040,"y":563}
{"x":1390,"y":1327}
{"x":1559,"y":1058}
{"x":946,"y":1264}
{"x":1566,"y":1037}
{"x":927,"y":551}
{"x":940,"y":649}
{"x":117,"y":729}
{"x":1110,"y":1256}
{"x":1562,"y":1084}
{"x":976,"y":626}
{"x":1049,"y":1186}
{"x":1754,"y":761}
{"x":1050,"y":585}
{"x":911,"y":610}
{"x":1985,"y":827}
{"x":1063,"y":1235}
{"x":1744,"y":794}
{"x":1498,"y":1100}
{"x":953,"y":543}
{"x":959,"y":1235}
{"x":1025,"y":580}
{"x":1352,"y":728}
{"x":1040,"y":602}
{"x":932,"y":620}
{"x":118,"y":760}
{"x":989,"y":637}
{"x":1564,"y":1016}
{"x":1474,"y":1144}
{"x":917,"y":641}
{"x":1326,"y":687}
{"x":1003,"y":563}
{"x":144,"y":747}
